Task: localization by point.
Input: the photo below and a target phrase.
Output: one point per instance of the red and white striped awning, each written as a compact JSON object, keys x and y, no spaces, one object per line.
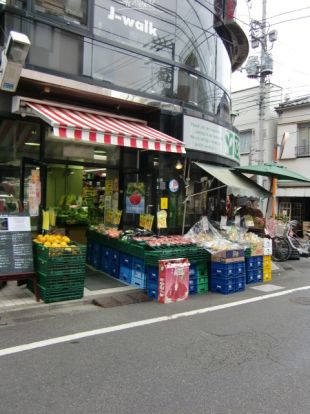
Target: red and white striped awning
{"x":87,"y":126}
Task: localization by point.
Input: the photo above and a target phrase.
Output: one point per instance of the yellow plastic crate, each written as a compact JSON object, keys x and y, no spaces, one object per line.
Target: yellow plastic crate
{"x":267,"y":276}
{"x":267,"y":260}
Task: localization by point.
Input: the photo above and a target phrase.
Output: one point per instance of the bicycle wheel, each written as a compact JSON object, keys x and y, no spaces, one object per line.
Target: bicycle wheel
{"x":281,"y":249}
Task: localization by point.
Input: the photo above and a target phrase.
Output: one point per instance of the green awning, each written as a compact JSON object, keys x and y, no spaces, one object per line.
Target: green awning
{"x":278,"y":171}
{"x":237,"y":184}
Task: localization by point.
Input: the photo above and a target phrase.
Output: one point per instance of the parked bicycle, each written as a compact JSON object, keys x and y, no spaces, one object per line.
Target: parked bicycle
{"x":285,"y":242}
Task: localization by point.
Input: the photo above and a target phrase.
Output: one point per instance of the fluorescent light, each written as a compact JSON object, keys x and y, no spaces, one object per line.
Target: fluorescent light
{"x":32,"y":144}
{"x":95,"y":169}
{"x":100,"y":157}
{"x":100,"y":152}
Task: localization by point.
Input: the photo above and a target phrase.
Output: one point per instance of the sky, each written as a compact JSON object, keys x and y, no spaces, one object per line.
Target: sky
{"x":291,"y":52}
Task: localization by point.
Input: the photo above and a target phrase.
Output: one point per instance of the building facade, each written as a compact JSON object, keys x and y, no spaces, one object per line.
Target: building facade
{"x":157,"y":65}
{"x":294,"y":128}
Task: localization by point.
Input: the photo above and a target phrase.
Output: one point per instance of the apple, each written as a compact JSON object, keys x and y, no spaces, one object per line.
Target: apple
{"x":135,"y":199}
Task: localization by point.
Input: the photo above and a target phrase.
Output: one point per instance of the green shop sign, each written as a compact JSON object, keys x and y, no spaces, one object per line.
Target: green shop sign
{"x":202,"y":135}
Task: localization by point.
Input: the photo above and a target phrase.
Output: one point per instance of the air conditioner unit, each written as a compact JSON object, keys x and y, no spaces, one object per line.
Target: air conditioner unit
{"x":13,"y":57}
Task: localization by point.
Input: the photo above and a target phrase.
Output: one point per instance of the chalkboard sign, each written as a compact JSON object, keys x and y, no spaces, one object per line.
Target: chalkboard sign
{"x":15,"y":245}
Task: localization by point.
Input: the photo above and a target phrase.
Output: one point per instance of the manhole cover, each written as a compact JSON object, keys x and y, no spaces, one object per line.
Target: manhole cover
{"x":301,"y":301}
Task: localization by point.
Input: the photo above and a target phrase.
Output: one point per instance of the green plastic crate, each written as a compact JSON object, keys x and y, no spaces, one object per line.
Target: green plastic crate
{"x":203,"y":288}
{"x":59,"y":268}
{"x":76,"y":280}
{"x":50,"y":295}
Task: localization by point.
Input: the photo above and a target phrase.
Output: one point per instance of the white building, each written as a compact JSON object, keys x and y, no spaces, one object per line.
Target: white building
{"x":294,"y":120}
{"x":245,"y":104}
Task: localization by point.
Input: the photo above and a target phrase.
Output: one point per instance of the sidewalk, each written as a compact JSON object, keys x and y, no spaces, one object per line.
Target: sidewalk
{"x":13,"y":297}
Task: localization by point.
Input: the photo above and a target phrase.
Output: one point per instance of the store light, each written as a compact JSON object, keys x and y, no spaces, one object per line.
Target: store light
{"x":178,"y":165}
{"x":32,"y":144}
{"x":95,"y":170}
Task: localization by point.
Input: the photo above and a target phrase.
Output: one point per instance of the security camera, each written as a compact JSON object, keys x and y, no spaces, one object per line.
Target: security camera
{"x":13,"y":58}
{"x":17,"y":47}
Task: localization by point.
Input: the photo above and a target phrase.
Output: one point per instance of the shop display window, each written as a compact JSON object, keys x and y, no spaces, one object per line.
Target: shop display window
{"x":70,"y":10}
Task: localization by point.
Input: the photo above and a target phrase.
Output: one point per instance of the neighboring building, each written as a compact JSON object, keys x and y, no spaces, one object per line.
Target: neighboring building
{"x":142,"y":63}
{"x":294,"y":121}
{"x":245,"y":104}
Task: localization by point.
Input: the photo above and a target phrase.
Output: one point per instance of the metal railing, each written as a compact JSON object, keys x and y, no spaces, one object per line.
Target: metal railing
{"x":302,"y":151}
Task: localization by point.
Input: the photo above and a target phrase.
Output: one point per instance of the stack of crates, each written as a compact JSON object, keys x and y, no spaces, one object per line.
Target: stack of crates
{"x":227,"y":278}
{"x":254,"y":269}
{"x":109,"y":261}
{"x":60,"y":272}
{"x":152,"y":276}
{"x":132,"y":270}
{"x":94,"y":254}
{"x":198,"y":278}
{"x":267,"y":272}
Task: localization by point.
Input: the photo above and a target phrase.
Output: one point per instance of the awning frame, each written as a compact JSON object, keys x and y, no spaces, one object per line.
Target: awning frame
{"x":90,"y":126}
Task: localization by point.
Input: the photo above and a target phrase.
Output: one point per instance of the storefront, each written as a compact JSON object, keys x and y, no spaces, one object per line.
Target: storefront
{"x":115,"y":103}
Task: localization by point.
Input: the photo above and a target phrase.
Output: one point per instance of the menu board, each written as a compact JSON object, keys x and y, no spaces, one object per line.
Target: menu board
{"x":15,"y":245}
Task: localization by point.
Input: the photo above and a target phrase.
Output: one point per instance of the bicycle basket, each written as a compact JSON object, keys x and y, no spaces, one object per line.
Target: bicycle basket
{"x":281,"y":229}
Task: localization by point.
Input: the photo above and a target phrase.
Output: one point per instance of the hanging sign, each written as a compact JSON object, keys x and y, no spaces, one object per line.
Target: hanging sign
{"x":173,"y":185}
{"x":135,"y":198}
{"x":162,"y":219}
{"x":164,"y":203}
{"x":146,"y":221}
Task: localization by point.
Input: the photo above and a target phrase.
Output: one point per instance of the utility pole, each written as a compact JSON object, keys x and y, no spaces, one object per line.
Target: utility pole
{"x":261,"y":68}
{"x":262,"y":80}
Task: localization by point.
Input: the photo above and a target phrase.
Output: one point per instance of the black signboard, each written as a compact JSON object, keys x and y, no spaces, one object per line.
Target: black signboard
{"x":15,"y":246}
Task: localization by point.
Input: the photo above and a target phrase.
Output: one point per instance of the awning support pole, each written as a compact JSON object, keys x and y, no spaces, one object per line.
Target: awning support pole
{"x":194,"y":195}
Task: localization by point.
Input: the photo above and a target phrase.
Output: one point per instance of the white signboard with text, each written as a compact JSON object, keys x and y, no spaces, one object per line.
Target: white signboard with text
{"x":202,"y":135}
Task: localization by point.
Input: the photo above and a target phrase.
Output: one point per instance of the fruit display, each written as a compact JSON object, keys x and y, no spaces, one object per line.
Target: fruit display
{"x":163,"y":241}
{"x":53,"y":240}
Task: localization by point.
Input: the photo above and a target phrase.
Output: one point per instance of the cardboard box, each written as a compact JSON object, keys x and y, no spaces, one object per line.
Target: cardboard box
{"x":228,"y":256}
{"x":267,"y":247}
{"x":257,"y":249}
{"x":173,"y":280}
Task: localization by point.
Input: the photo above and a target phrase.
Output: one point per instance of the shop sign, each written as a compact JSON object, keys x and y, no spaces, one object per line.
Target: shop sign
{"x":162,"y":219}
{"x":202,"y":135}
{"x":146,"y":221}
{"x":135,"y":198}
{"x":164,"y":203}
{"x":173,"y":185}
{"x":15,"y":245}
{"x":146,"y":26}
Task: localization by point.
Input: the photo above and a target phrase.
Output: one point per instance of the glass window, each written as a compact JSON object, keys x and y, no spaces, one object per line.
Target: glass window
{"x":223,"y":65}
{"x":143,"y":24}
{"x":303,"y":147}
{"x":245,"y":141}
{"x":123,"y":68}
{"x":195,"y":37}
{"x":55,"y":49}
{"x":70,"y":10}
{"x":20,"y":4}
{"x":17,"y":140}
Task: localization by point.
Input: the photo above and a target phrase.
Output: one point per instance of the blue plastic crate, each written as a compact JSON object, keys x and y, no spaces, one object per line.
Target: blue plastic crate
{"x":89,"y":250}
{"x":259,"y":262}
{"x":193,"y":271}
{"x":152,"y":274}
{"x":138,"y":282}
{"x":239,"y":283}
{"x":254,"y":276}
{"x":239,"y":268}
{"x":192,"y":282}
{"x":126,"y":260}
{"x":114,"y":271}
{"x":222,"y":269}
{"x":125,"y":274}
{"x":222,"y":285}
{"x":152,"y":293}
{"x":95,"y":256}
{"x":138,"y":265}
{"x":192,"y":289}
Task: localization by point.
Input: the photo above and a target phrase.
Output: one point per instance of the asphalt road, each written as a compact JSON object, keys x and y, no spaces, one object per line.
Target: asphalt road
{"x":249,"y":358}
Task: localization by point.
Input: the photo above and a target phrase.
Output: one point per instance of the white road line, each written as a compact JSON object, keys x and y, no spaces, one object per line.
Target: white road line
{"x":130,"y":325}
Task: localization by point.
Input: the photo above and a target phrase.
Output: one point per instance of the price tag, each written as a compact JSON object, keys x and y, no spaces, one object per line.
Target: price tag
{"x":164,"y":203}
